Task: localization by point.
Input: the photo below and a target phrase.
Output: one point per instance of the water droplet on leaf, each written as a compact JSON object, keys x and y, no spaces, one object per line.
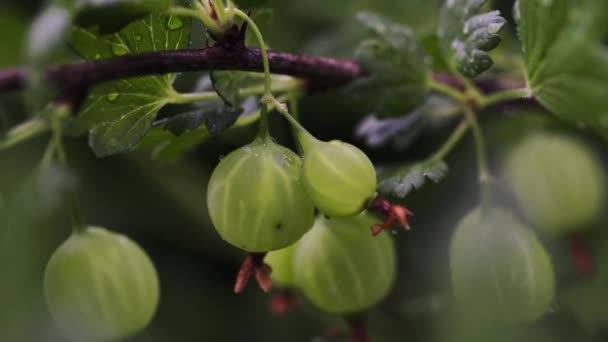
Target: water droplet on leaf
{"x":175,"y":23}
{"x":119,"y":50}
{"x":112,"y":97}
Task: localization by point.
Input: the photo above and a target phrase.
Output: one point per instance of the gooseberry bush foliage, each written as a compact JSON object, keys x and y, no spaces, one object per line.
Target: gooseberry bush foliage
{"x":323,"y":222}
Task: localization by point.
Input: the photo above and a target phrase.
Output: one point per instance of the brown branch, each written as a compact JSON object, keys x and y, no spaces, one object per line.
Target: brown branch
{"x":321,"y":72}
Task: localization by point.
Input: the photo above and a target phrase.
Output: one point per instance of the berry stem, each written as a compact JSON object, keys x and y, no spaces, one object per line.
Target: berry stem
{"x":482,"y":162}
{"x":451,"y":142}
{"x":59,"y":113}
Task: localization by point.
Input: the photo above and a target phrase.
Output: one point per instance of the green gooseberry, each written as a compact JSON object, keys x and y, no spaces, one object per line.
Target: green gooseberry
{"x":558,"y":181}
{"x":281,"y":262}
{"x":501,"y":273}
{"x":256,"y":200}
{"x":339,"y":177}
{"x":100,"y":286}
{"x":341,"y":268}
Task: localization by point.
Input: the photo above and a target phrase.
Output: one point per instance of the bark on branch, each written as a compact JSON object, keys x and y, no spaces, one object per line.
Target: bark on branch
{"x":321,"y":72}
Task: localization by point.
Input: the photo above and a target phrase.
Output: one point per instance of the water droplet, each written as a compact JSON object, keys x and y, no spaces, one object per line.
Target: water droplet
{"x":221,"y":157}
{"x":119,"y":50}
{"x":547,"y":3}
{"x":247,"y":149}
{"x":112,"y":97}
{"x":97,"y":56}
{"x":175,"y":23}
{"x":137,"y":38}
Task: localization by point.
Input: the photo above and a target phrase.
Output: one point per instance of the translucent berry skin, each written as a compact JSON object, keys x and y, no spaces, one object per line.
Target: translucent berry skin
{"x":558,"y":182}
{"x":501,"y":272}
{"x":256,"y":200}
{"x":339,"y":178}
{"x":341,"y":268}
{"x":100,"y":286}
{"x":281,"y":261}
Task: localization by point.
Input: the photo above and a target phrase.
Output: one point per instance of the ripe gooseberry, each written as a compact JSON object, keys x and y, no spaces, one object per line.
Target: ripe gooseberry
{"x":256,"y":200}
{"x":558,"y":182}
{"x":500,"y":270}
{"x":339,"y":177}
{"x":100,"y":286}
{"x":341,"y":267}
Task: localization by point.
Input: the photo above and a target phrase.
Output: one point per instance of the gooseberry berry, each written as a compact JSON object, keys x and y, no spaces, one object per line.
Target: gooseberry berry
{"x":339,"y":177}
{"x":500,"y":270}
{"x":557,"y":180}
{"x":256,"y":200}
{"x":341,"y":268}
{"x":100,"y":286}
{"x":281,"y":262}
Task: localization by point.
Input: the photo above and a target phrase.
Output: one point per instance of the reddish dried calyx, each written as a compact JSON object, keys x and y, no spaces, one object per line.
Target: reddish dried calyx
{"x":393,"y":214}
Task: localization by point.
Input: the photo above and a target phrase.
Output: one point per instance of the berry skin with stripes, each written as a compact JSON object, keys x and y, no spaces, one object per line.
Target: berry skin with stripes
{"x":256,"y":200}
{"x":501,"y":273}
{"x":339,"y":178}
{"x":100,"y":286}
{"x":341,"y":268}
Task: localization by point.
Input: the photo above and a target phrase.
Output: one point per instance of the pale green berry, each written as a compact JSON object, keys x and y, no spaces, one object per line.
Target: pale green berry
{"x":256,"y":200}
{"x":100,"y":286}
{"x":341,"y":268}
{"x":501,"y":272}
{"x":339,"y":178}
{"x":558,"y":181}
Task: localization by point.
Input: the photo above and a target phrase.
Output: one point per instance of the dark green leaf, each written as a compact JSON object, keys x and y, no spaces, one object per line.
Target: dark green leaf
{"x":566,"y":64}
{"x":588,"y":303}
{"x":164,"y":146}
{"x":120,"y":113}
{"x":112,"y":15}
{"x":396,"y":66}
{"x":400,"y":181}
{"x":217,"y":118}
{"x":465,"y":37}
{"x":182,"y":123}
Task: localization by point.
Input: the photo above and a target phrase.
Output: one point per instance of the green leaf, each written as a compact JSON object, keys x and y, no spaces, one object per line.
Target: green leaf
{"x":112,"y":15}
{"x":228,"y":83}
{"x":465,"y":37}
{"x":396,"y":66}
{"x":398,"y":182}
{"x":164,"y":146}
{"x":566,"y":64}
{"x":118,"y":114}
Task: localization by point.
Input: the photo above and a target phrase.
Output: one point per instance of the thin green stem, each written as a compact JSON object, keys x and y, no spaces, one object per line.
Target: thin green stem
{"x":502,"y":96}
{"x":200,"y":15}
{"x":221,"y":12}
{"x":472,"y":91}
{"x":445,"y":89}
{"x":482,"y":162}
{"x":57,"y":127}
{"x":262,"y":44}
{"x":49,"y":153}
{"x":263,"y":132}
{"x":305,"y":139}
{"x":451,"y":142}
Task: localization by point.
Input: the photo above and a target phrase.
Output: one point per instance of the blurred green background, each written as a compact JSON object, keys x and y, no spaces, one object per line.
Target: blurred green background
{"x":162,"y":206}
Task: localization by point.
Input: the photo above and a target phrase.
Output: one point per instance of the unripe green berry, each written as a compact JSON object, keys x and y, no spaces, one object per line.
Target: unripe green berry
{"x":341,"y":268}
{"x":338,"y":177}
{"x":281,"y":262}
{"x":100,"y":286}
{"x":256,"y":200}
{"x":501,"y":273}
{"x":558,"y":181}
